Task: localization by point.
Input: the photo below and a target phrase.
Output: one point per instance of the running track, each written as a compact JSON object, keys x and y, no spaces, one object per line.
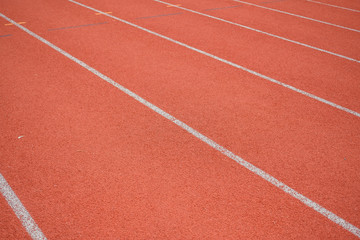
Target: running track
{"x":88,"y":161}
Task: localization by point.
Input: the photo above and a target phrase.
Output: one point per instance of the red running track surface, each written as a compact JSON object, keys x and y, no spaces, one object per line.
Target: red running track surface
{"x":94,"y":164}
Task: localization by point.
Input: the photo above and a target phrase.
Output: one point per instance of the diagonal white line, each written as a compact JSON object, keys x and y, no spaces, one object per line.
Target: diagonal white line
{"x":323,"y":211}
{"x":299,"y":16}
{"x":29,"y":224}
{"x":226,"y":62}
{"x":349,"y":9}
{"x":259,"y":31}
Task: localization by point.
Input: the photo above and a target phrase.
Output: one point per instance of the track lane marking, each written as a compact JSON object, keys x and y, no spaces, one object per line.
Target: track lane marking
{"x":299,"y":16}
{"x":349,"y":9}
{"x":227,"y":62}
{"x":262,"y":32}
{"x":22,"y":214}
{"x":318,"y":208}
{"x":101,"y":13}
{"x":173,"y":5}
{"x":10,"y":24}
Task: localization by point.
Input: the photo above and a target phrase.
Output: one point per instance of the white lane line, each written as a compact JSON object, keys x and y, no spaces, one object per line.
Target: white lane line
{"x":323,"y":211}
{"x":349,"y":9}
{"x":227,"y":62}
{"x":299,"y":16}
{"x":259,"y":31}
{"x":23,"y":215}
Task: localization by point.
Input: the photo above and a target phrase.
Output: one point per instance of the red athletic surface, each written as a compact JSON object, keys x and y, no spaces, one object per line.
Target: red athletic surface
{"x":96,"y":164}
{"x":312,"y":10}
{"x":316,"y":34}
{"x":10,"y":226}
{"x":343,"y":3}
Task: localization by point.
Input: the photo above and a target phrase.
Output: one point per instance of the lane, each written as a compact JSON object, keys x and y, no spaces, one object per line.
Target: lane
{"x":335,"y":6}
{"x":315,"y":34}
{"x":287,"y":127}
{"x":308,"y":13}
{"x":256,"y":30}
{"x":257,"y":74}
{"x":93,"y":163}
{"x":307,"y":8}
{"x":343,"y":3}
{"x":304,"y":69}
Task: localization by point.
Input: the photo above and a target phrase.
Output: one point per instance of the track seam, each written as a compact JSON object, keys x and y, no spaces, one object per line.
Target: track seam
{"x":323,"y":211}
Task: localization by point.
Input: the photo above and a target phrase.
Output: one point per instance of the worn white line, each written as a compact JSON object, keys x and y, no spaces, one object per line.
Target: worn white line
{"x":349,"y":9}
{"x":259,"y":31}
{"x":29,"y":224}
{"x":331,"y":216}
{"x":227,"y":62}
{"x":299,"y":16}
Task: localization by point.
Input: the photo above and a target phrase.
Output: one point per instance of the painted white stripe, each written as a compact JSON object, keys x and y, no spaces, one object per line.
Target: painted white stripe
{"x":226,"y":62}
{"x":336,"y":219}
{"x":353,"y":10}
{"x":259,"y":31}
{"x":299,"y":16}
{"x":20,"y":211}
